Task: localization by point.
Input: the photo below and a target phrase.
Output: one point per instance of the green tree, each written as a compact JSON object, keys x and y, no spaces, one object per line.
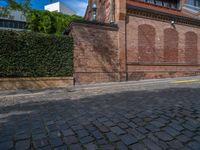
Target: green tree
{"x":23,"y":5}
{"x":48,"y":22}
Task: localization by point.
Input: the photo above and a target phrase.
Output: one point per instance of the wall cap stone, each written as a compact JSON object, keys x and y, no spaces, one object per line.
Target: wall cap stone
{"x":35,"y":78}
{"x":95,"y":24}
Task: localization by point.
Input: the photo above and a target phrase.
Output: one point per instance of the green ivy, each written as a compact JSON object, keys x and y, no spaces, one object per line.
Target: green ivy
{"x":29,"y":54}
{"x":48,"y":22}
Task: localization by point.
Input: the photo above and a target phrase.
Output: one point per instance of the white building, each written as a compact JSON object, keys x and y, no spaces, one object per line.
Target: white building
{"x":59,"y":7}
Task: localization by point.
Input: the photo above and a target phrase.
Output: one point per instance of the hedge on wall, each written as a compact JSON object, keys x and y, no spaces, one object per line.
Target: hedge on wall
{"x":29,"y":54}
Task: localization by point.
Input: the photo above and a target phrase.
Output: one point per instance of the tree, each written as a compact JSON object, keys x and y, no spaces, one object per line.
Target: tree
{"x":48,"y":22}
{"x":23,"y":5}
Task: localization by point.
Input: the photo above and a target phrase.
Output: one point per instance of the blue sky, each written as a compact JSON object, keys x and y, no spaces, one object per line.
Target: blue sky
{"x":79,"y":6}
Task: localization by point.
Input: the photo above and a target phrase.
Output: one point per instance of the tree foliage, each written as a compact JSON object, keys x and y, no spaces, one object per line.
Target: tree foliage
{"x":48,"y":22}
{"x":22,"y":5}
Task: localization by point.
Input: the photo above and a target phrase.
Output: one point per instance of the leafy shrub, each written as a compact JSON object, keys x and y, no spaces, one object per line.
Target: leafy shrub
{"x":48,"y":22}
{"x":29,"y":54}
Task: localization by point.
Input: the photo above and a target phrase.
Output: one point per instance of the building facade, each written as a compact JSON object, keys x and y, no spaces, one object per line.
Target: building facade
{"x":59,"y":7}
{"x":16,"y":20}
{"x":148,"y":39}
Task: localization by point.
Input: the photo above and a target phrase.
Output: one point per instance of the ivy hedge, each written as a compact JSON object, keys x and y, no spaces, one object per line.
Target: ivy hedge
{"x":29,"y":54}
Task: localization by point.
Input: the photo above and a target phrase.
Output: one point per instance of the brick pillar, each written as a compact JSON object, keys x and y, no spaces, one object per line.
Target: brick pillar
{"x":120,"y":17}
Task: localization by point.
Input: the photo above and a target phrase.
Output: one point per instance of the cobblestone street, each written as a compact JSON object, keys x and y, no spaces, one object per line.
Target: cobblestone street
{"x":143,"y":115}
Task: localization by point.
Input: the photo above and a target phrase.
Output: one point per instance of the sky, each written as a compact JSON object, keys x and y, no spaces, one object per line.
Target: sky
{"x":79,"y":6}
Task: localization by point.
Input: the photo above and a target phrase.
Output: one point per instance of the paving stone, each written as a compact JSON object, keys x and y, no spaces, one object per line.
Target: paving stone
{"x":194,"y":145}
{"x":103,"y":129}
{"x":97,"y":134}
{"x":77,"y":127}
{"x":175,"y":144}
{"x":70,"y":140}
{"x":68,"y":132}
{"x":39,"y":136}
{"x":121,"y":146}
{"x":112,"y":137}
{"x":137,"y":134}
{"x":75,"y":147}
{"x":6,"y":145}
{"x":107,"y":147}
{"x":109,"y":123}
{"x":117,"y":130}
{"x":197,"y":138}
{"x":152,"y":128}
{"x":5,"y":138}
{"x":171,"y":131}
{"x":40,"y":143}
{"x":176,"y":126}
{"x":142,"y":130}
{"x":189,"y":127}
{"x":82,"y":133}
{"x":128,"y":139}
{"x":91,"y":128}
{"x":160,"y":143}
{"x":122,"y":125}
{"x":151,"y":145}
{"x":138,"y":146}
{"x":188,"y":133}
{"x":22,"y":136}
{"x":55,"y":142}
{"x":183,"y":138}
{"x":63,"y":147}
{"x":164,"y":136}
{"x":86,"y":140}
{"x":131,"y":124}
{"x":22,"y":145}
{"x":91,"y":146}
{"x":157,"y":124}
{"x":45,"y":148}
{"x":102,"y":142}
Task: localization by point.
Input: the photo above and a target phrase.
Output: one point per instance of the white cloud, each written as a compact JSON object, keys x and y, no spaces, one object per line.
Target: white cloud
{"x":77,"y":5}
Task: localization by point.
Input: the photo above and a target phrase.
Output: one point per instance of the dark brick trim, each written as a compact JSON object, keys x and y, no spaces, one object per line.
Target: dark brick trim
{"x":157,"y":15}
{"x":160,"y":64}
{"x":95,"y":24}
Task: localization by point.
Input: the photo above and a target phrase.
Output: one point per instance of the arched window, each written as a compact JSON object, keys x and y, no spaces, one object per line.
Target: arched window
{"x":170,"y":45}
{"x":146,"y":43}
{"x":191,"y":50}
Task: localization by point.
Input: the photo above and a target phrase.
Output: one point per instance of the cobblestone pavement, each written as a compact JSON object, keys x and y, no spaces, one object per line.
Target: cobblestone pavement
{"x":144,"y":115}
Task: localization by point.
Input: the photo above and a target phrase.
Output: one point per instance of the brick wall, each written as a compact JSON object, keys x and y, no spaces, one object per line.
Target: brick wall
{"x":103,"y":11}
{"x":157,"y":49}
{"x":145,"y":45}
{"x":95,"y":53}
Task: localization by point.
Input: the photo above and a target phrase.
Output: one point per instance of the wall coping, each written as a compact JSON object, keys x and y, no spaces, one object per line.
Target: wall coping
{"x":99,"y":25}
{"x":157,"y":15}
{"x":160,"y":64}
{"x":35,"y":78}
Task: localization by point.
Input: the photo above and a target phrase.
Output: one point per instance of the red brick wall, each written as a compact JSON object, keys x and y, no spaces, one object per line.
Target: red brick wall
{"x":157,"y":49}
{"x":103,"y":10}
{"x":95,"y":53}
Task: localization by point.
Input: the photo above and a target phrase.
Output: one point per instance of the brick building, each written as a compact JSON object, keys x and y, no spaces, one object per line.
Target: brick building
{"x":137,"y":39}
